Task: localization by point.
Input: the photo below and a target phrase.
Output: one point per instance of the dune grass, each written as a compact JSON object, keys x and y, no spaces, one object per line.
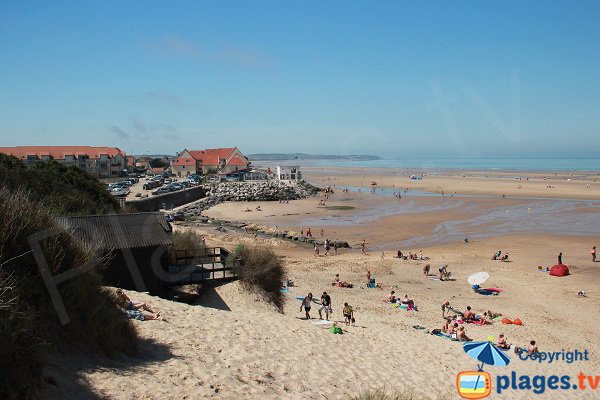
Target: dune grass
{"x":382,"y":394}
{"x":261,"y":271}
{"x":29,"y":324}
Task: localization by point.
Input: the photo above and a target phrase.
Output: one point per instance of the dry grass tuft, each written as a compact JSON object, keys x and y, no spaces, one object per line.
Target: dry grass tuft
{"x":28,"y":320}
{"x":261,"y":271}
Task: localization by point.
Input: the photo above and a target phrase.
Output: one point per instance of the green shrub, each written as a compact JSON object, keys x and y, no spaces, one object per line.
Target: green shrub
{"x":65,"y":190}
{"x":28,"y":320}
{"x":261,"y":270}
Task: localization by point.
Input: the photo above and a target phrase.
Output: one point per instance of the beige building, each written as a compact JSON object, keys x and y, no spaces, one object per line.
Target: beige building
{"x":289,"y":173}
{"x":209,"y":161}
{"x":100,"y":162}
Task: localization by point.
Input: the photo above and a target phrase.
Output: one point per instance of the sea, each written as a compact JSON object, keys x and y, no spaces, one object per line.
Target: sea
{"x":478,"y":164}
{"x":570,"y":217}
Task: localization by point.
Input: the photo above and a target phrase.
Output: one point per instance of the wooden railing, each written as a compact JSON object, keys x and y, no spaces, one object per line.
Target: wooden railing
{"x":207,"y":264}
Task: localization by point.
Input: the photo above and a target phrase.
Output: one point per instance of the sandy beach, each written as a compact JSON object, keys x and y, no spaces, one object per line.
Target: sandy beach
{"x":232,"y":345}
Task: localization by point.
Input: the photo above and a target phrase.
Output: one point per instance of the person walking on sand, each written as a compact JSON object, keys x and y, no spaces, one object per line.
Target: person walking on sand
{"x":348,"y":313}
{"x":382,"y":255}
{"x":368,"y":277}
{"x":306,"y":303}
{"x":560,"y":257}
{"x":335,"y":246}
{"x":426,"y":269}
{"x":363,"y":247}
{"x":316,"y":250}
{"x":325,"y":306}
{"x":308,"y":234}
{"x":322,"y":232}
{"x":327,"y":247}
{"x":594,"y":254}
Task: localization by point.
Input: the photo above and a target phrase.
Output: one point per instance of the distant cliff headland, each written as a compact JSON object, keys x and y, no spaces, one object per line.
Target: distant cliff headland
{"x":304,"y":156}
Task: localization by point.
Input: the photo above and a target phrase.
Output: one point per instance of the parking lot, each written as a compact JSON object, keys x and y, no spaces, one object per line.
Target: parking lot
{"x":142,"y":187}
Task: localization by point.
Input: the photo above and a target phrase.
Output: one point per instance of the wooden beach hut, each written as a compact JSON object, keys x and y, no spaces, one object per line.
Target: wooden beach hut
{"x":135,"y":246}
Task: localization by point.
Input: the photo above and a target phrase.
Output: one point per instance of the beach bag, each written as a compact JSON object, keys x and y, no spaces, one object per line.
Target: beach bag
{"x":507,"y":321}
{"x":353,"y":320}
{"x":335,"y":330}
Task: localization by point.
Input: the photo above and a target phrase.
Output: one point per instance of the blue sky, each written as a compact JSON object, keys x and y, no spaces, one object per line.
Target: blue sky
{"x":400,"y":79}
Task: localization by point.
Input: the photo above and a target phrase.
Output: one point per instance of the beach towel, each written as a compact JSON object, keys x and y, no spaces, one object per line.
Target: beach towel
{"x":445,"y":336}
{"x":494,"y":289}
{"x":476,"y":322}
{"x":285,"y":290}
{"x":419,"y":327}
{"x":322,"y":322}
{"x":299,"y":297}
{"x":486,"y":292}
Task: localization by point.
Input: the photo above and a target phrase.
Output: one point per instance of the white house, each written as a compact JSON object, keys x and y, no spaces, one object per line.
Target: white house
{"x":289,"y":173}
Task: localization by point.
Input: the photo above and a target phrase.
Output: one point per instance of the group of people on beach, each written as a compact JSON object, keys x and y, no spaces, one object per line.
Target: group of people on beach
{"x":499,"y":257}
{"x":325,"y":306}
{"x":327,"y":245}
{"x":408,"y":302}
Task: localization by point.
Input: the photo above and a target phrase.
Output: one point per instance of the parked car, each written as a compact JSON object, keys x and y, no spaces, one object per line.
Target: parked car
{"x":120,"y":191}
{"x":174,"y":187}
{"x":188,"y":182}
{"x":161,"y":190}
{"x":151,"y":185}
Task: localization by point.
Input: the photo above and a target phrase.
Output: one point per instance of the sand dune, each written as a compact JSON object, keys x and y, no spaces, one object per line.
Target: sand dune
{"x":232,"y":345}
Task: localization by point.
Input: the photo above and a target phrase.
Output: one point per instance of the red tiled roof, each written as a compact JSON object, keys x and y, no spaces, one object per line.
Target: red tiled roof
{"x":183,"y":161}
{"x":237,"y":162}
{"x":59,"y":152}
{"x":212,"y":153}
{"x":210,"y":160}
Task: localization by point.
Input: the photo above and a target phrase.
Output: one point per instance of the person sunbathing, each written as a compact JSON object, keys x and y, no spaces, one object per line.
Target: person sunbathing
{"x":497,"y":255}
{"x":504,"y":258}
{"x":532,"y":348}
{"x":501,"y":342}
{"x":409,"y":302}
{"x":468,"y":315}
{"x":461,"y":335}
{"x":452,"y":328}
{"x":141,"y":316}
{"x":337,"y":282}
{"x":492,"y":314}
{"x":447,"y":323}
{"x":126,"y":303}
{"x":444,"y":274}
{"x":391,"y":297}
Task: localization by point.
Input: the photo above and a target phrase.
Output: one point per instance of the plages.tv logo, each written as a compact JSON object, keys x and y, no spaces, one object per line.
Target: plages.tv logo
{"x":478,"y":384}
{"x":474,"y":384}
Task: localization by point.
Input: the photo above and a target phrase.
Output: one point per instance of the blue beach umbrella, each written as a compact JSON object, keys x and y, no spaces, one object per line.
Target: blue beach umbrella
{"x":486,"y":353}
